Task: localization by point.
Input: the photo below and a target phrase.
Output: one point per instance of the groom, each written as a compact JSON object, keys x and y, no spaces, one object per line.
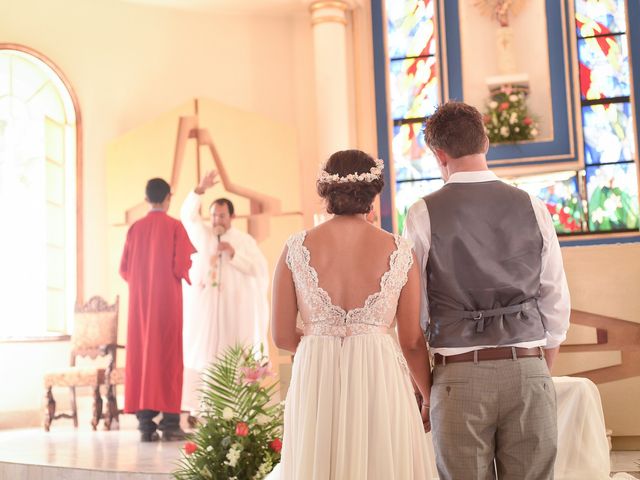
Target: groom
{"x":495,"y":310}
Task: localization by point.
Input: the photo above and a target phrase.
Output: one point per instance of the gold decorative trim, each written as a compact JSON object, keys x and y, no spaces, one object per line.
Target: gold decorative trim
{"x":328,"y":4}
{"x":328,"y":19}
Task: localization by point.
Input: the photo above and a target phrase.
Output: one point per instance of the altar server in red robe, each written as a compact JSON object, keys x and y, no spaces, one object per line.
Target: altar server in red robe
{"x":156,"y":257}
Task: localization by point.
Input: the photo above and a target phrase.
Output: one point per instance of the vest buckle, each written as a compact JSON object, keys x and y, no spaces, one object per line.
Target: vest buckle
{"x":479,"y":318}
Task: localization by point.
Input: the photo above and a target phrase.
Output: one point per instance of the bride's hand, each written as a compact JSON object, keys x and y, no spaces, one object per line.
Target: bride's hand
{"x":426,"y":420}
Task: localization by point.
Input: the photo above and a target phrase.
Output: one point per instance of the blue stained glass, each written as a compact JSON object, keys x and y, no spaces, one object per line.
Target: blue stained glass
{"x":408,"y":193}
{"x":410,"y":28}
{"x":560,"y":193}
{"x":608,"y":133}
{"x":414,"y":88}
{"x":612,"y":191}
{"x":411,"y":157}
{"x":595,"y":17}
{"x":604,"y":67}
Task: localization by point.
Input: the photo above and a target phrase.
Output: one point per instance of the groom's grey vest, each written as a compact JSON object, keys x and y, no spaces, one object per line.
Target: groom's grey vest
{"x":483,"y":271}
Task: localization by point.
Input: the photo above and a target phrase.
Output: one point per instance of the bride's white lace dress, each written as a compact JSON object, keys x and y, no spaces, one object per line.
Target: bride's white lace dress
{"x":350,"y":411}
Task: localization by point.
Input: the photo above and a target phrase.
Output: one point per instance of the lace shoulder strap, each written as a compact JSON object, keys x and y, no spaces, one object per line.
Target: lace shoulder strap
{"x":297,"y":257}
{"x":400,"y":263}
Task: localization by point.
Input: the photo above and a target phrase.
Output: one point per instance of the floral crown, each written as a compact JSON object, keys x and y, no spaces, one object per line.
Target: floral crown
{"x":373,"y":174}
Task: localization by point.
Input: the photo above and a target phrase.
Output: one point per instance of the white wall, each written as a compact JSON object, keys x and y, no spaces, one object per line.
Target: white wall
{"x":129,"y":63}
{"x":478,"y":45}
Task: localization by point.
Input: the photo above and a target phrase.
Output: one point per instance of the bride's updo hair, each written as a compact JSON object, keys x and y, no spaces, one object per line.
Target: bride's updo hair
{"x":350,"y":198}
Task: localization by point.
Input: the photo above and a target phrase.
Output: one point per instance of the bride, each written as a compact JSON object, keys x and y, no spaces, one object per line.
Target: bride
{"x":350,"y":411}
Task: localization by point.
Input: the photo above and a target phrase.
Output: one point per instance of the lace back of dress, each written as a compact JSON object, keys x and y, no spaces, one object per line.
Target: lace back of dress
{"x":315,"y":303}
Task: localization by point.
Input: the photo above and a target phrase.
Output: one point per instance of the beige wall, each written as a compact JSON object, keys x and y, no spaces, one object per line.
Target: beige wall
{"x":605,"y":280}
{"x":129,"y":63}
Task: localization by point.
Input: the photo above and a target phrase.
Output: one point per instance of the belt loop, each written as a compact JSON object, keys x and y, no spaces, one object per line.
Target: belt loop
{"x":541,"y":353}
{"x":444,"y":360}
{"x":514,"y":355}
{"x":475,"y":357}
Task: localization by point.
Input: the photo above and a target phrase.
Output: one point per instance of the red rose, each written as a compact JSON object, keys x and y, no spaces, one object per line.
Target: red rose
{"x":503,"y":106}
{"x":527,"y":121}
{"x":242,"y":429}
{"x":190,"y":447}
{"x":276,"y":445}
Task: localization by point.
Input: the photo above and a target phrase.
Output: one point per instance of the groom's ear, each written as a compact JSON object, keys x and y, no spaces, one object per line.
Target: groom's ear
{"x":442,"y":156}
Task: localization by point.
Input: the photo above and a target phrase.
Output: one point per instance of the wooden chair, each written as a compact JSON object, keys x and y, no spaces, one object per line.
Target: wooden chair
{"x":113,"y":376}
{"x":94,"y":335}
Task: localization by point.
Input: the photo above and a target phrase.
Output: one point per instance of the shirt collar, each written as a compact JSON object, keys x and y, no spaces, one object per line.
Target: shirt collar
{"x":473,"y":177}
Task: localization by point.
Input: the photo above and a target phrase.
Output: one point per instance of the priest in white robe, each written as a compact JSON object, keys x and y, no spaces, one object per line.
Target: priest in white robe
{"x":226,"y":303}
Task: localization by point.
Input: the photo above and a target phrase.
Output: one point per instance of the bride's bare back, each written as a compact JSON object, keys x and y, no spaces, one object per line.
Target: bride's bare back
{"x":350,"y":257}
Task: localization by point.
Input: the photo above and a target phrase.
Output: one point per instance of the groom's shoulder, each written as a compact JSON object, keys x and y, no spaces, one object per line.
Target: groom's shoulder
{"x":419,"y":207}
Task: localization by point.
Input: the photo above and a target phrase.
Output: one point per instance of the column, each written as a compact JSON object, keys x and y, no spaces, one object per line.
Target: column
{"x":329,"y":20}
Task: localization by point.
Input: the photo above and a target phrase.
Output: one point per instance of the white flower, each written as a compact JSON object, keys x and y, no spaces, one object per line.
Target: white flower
{"x":209,"y":448}
{"x":534,"y":132}
{"x":513,"y":118}
{"x":598,"y":215}
{"x":263,"y":469}
{"x":504,"y":131}
{"x":233,"y":455}
{"x":517,"y":129}
{"x":493,"y":104}
{"x":262,"y":419}
{"x":227,"y":413}
{"x":513,"y":98}
{"x":611,"y":204}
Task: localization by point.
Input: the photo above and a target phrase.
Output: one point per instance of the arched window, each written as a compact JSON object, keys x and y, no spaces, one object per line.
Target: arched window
{"x":39,"y":165}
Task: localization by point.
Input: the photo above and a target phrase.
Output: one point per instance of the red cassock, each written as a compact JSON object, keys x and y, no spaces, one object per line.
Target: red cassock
{"x":156,"y":257}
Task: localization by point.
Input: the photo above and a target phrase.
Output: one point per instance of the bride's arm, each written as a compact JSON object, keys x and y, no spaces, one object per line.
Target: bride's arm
{"x":410,"y":334}
{"x":284,"y":309}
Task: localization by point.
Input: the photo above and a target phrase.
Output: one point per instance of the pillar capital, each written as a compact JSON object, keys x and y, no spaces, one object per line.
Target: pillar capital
{"x":329,"y":11}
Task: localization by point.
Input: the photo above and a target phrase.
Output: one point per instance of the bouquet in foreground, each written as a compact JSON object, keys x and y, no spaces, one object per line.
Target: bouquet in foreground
{"x":239,"y":436}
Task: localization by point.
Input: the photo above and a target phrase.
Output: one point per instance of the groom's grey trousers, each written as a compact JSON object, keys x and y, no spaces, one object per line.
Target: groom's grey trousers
{"x":502,"y":409}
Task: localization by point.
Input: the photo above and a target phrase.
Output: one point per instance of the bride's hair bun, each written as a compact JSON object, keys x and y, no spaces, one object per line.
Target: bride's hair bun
{"x":349,"y":198}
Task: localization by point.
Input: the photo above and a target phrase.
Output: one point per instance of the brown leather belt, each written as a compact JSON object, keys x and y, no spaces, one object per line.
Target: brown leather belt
{"x":499,"y":353}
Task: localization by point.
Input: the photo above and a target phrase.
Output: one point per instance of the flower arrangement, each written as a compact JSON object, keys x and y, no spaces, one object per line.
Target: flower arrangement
{"x":239,"y":436}
{"x":507,"y":119}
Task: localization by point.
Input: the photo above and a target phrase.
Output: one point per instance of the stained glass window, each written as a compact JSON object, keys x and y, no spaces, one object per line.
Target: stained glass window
{"x":414,"y":92}
{"x":407,"y":193}
{"x":414,"y":87}
{"x":602,"y":196}
{"x":561,"y":194}
{"x":412,"y":159}
{"x":612,"y":191}
{"x":410,"y":28}
{"x":608,"y":133}
{"x":611,"y":182}
{"x":37,"y":194}
{"x":595,"y":17}
{"x":604,"y":67}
